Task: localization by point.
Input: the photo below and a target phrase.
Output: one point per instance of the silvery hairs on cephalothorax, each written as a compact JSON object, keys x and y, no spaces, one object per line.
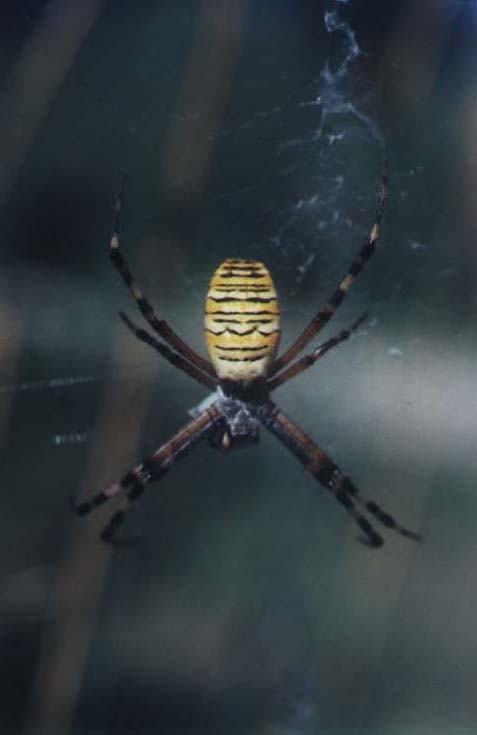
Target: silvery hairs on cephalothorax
{"x":242,"y":330}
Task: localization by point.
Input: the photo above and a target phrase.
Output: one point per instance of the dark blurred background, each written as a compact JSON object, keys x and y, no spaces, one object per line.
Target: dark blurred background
{"x":247,"y":128}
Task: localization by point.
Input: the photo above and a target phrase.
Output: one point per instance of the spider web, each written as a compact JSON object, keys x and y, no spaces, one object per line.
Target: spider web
{"x":304,"y":205}
{"x":309,"y":197}
{"x":295,"y":210}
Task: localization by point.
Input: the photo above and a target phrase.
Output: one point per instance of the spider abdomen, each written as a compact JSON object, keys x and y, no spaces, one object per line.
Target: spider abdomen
{"x":242,"y":320}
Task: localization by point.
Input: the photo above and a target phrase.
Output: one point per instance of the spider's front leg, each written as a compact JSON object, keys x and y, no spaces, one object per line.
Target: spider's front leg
{"x":300,"y":365}
{"x":134,"y":482}
{"x":159,"y":325}
{"x":323,"y":316}
{"x":330,"y":476}
{"x":172,"y":357}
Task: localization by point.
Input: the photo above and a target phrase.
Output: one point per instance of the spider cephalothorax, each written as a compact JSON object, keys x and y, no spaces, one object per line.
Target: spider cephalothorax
{"x":242,"y":335}
{"x":240,"y":425}
{"x":243,"y":405}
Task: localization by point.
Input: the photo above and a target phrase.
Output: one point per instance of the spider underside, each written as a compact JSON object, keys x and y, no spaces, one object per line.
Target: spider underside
{"x":242,"y":335}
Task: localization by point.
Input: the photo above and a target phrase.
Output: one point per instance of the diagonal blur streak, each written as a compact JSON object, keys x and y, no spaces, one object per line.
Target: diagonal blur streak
{"x":204,"y":91}
{"x":78,"y":579}
{"x":36,"y":79}
{"x":415,"y":54}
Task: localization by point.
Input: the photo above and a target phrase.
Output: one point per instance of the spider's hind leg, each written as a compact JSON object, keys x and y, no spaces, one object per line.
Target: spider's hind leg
{"x":134,"y":482}
{"x":328,"y":474}
{"x":131,"y":486}
{"x":375,"y":510}
{"x":318,"y":464}
{"x":86,"y":506}
{"x":108,"y":534}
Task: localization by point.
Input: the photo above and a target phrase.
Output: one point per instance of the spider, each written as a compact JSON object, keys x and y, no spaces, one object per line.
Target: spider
{"x":242,"y":331}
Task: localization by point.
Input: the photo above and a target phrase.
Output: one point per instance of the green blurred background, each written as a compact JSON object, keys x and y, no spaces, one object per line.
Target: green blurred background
{"x":251,"y":128}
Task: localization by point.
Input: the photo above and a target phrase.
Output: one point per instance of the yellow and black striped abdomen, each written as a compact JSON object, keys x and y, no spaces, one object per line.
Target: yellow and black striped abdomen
{"x":242,"y":320}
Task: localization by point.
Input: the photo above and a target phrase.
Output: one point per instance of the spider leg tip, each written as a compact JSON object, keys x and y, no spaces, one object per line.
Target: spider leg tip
{"x":79,"y":509}
{"x":126,"y":320}
{"x":373,"y":542}
{"x":82,"y":509}
{"x":107,"y":536}
{"x":411,"y":534}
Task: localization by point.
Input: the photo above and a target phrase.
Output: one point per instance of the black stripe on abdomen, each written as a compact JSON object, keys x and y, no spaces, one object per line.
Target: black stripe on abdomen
{"x":240,"y":359}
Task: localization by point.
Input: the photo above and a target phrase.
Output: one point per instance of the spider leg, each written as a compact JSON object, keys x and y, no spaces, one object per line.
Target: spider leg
{"x":159,"y":325}
{"x":134,"y":482}
{"x":300,"y":365}
{"x":330,"y":476}
{"x":171,"y":356}
{"x":323,"y":316}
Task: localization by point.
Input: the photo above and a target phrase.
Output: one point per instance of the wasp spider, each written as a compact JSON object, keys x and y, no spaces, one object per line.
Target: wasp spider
{"x":242,"y":329}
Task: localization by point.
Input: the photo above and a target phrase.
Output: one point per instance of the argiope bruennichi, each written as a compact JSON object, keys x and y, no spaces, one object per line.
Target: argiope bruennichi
{"x":242,"y":329}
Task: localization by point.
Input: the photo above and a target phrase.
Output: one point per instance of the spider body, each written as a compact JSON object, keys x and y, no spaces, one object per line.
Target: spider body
{"x":242,"y":320}
{"x":242,"y":335}
{"x":241,"y":423}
